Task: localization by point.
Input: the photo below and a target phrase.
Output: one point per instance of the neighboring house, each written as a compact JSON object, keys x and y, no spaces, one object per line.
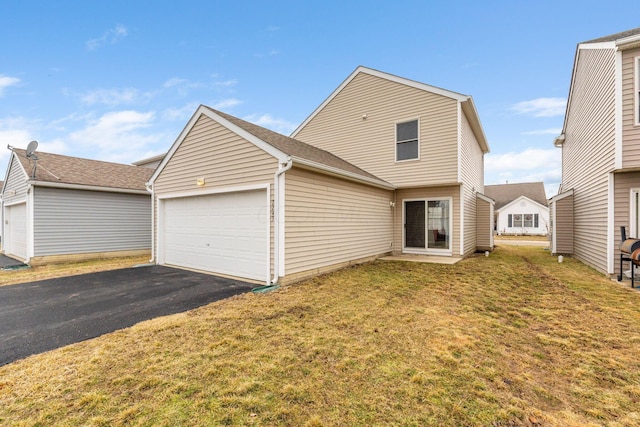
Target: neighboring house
{"x":520,"y":208}
{"x":600,"y":141}
{"x":1,"y":185}
{"x":62,"y":208}
{"x":233,"y":198}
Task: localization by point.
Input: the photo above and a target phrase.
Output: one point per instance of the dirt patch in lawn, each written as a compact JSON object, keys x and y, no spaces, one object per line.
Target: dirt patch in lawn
{"x":513,"y":339}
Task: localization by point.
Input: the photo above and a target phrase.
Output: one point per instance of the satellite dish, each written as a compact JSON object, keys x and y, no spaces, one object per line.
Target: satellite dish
{"x":31,"y":148}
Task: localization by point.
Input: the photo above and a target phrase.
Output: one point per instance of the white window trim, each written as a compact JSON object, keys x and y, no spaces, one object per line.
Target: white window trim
{"x":427,"y":250}
{"x":395,"y":139}
{"x":633,"y":222}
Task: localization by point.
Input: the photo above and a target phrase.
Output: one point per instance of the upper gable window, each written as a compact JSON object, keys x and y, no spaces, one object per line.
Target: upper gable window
{"x":407,"y":142}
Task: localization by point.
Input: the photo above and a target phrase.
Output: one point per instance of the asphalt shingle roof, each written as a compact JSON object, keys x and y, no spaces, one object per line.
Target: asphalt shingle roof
{"x":74,"y":170}
{"x":504,"y":194}
{"x":616,"y":36}
{"x":295,"y":148}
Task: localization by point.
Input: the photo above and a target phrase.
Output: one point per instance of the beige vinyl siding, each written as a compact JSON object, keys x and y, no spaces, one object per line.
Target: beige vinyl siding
{"x":223,"y":158}
{"x":624,"y":183}
{"x":427,"y":193}
{"x":329,"y":221}
{"x":484,"y":224}
{"x":472,"y":177}
{"x":370,"y":143}
{"x":563,"y":225}
{"x":588,"y":152}
{"x":630,"y":128}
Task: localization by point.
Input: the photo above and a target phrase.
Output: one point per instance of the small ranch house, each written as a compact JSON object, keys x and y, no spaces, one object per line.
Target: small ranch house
{"x":521,"y":209}
{"x":385,"y":165}
{"x":60,"y":208}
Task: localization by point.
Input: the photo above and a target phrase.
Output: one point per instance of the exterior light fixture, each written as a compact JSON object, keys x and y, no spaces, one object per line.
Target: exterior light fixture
{"x":201,"y":182}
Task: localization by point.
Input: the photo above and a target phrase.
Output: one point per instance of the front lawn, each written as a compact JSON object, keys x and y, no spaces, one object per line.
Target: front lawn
{"x":513,"y":339}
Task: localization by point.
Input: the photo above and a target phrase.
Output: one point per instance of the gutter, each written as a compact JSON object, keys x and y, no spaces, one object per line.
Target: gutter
{"x":85,"y":187}
{"x":276,"y":219}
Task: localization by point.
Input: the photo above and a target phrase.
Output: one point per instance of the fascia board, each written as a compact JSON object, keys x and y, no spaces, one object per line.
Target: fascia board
{"x":87,"y":187}
{"x":561,"y":196}
{"x":8,"y":171}
{"x":469,"y":109}
{"x":341,"y":173}
{"x":486,"y":198}
{"x":203,"y":110}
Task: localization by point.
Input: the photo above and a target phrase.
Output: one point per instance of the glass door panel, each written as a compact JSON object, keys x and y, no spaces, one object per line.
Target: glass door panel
{"x":438,"y":220}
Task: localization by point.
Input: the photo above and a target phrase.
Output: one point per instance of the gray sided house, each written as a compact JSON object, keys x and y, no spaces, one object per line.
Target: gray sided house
{"x":67,"y":208}
{"x":402,"y":176}
{"x":600,"y":142}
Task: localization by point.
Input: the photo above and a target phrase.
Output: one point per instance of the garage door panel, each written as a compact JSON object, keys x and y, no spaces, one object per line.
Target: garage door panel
{"x":17,"y":230}
{"x":222,"y":233}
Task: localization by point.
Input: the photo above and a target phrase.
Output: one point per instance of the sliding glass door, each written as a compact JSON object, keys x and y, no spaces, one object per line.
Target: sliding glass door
{"x":428,"y":226}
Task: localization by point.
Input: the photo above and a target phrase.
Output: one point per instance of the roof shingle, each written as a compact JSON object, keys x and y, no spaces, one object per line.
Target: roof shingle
{"x":504,"y":194}
{"x":74,"y":170}
{"x":616,"y":36}
{"x":295,"y":148}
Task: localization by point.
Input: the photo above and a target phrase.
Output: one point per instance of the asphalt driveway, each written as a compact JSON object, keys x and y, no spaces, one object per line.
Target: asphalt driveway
{"x":41,"y":316}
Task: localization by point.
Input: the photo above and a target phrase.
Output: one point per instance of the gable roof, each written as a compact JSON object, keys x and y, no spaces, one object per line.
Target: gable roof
{"x":466,"y":101}
{"x":504,"y":194}
{"x":624,"y":40}
{"x":280,"y":146}
{"x":622,"y":37}
{"x":65,"y":171}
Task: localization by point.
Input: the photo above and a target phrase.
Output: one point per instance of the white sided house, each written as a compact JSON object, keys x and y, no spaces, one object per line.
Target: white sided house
{"x":60,"y":208}
{"x":521,"y":209}
{"x":235,"y":199}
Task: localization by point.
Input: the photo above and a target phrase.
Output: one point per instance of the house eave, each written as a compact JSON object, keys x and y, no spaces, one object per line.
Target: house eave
{"x":558,"y":141}
{"x":68,"y":186}
{"x":308,"y":164}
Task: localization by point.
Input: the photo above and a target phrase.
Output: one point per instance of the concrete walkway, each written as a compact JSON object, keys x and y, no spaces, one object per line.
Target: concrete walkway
{"x":431,"y":259}
{"x":538,"y":243}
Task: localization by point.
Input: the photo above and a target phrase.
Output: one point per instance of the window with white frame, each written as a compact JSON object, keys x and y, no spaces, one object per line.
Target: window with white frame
{"x":407,"y":142}
{"x":523,"y":220}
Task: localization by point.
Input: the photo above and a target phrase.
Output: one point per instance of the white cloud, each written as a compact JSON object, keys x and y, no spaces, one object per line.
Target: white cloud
{"x":226,"y":103}
{"x":112,"y":36}
{"x":530,"y":165}
{"x":541,"y":107}
{"x":113,"y":97}
{"x":553,"y":131}
{"x":180,"y":113}
{"x":6,"y":81}
{"x":277,"y":125}
{"x":175,"y":81}
{"x":116,"y":136}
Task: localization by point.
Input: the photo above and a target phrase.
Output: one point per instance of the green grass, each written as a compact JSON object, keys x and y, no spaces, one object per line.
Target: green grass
{"x":512,"y":339}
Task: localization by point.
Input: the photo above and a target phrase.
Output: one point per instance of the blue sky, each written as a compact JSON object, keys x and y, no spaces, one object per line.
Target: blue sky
{"x":118,"y":80}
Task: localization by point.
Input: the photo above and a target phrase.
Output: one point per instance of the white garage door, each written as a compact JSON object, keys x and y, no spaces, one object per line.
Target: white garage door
{"x":221,"y":233}
{"x":16,"y":239}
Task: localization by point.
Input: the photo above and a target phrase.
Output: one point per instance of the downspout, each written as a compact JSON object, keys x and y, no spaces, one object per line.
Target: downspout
{"x":149,"y":188}
{"x":276,"y":219}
